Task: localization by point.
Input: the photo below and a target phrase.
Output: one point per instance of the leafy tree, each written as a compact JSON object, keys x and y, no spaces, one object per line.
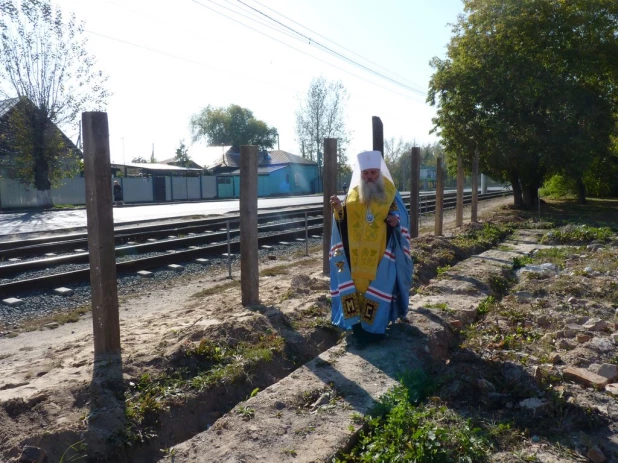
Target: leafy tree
{"x":321,"y":115}
{"x":139,"y":160}
{"x":533,"y":86}
{"x":233,"y":126}
{"x":182,"y":155}
{"x":44,"y":63}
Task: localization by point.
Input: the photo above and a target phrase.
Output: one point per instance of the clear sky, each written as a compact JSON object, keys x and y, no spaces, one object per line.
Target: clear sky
{"x":168,"y":59}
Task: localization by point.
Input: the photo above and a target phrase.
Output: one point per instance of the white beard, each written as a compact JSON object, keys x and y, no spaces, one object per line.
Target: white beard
{"x":374,"y":191}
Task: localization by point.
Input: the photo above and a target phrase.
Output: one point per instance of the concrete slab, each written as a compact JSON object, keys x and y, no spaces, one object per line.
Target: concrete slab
{"x":145,"y":274}
{"x":175,"y":267}
{"x":350,"y":381}
{"x":12,"y":302}
{"x":201,"y":261}
{"x":64,"y":291}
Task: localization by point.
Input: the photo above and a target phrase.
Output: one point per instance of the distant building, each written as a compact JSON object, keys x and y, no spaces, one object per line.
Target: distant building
{"x":279,"y":173}
{"x":8,"y":151}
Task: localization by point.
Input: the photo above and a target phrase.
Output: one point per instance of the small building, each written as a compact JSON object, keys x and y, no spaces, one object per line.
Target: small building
{"x":279,"y":173}
{"x":8,"y":151}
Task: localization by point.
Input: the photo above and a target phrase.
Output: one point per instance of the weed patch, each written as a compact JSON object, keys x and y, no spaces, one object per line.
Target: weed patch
{"x":420,"y":432}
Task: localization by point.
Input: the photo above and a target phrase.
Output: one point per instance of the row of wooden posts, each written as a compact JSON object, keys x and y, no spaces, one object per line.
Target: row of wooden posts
{"x":103,"y":282}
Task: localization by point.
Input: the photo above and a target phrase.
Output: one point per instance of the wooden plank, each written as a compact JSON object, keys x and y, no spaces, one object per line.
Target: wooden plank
{"x":249,"y":274}
{"x":439,"y":215}
{"x":460,"y":188}
{"x":475,"y":188}
{"x":330,"y":188}
{"x":103,"y":284}
{"x":415,"y":177}
{"x":378,"y":134}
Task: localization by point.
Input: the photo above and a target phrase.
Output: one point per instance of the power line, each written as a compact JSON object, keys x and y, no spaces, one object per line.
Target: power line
{"x":340,"y":46}
{"x":301,"y":51}
{"x":336,"y":53}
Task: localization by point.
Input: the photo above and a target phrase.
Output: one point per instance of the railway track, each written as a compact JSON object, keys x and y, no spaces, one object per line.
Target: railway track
{"x":170,"y":243}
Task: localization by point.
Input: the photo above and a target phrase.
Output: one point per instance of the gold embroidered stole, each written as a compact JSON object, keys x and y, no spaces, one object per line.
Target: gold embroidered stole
{"x":367,"y":241}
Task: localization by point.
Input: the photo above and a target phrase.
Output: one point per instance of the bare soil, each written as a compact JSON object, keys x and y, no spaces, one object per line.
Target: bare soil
{"x":191,"y":352}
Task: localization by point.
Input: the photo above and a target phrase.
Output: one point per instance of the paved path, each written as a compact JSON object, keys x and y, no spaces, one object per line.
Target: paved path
{"x":53,"y":220}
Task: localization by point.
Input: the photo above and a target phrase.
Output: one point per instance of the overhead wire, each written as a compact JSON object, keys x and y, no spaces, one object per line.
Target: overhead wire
{"x":338,"y":45}
{"x":336,"y":53}
{"x":302,"y":51}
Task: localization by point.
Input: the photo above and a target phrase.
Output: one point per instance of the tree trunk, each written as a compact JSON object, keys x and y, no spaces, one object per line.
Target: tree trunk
{"x":41,"y":164}
{"x":517,"y":199}
{"x":529,"y":196}
{"x":581,"y":191}
{"x":44,"y":199}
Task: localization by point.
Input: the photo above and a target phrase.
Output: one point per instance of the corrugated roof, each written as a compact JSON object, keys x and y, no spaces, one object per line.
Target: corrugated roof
{"x":275,"y":157}
{"x":261,"y":170}
{"x":153,"y":166}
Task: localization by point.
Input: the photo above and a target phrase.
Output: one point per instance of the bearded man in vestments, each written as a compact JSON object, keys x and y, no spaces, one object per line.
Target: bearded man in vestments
{"x":370,"y":262}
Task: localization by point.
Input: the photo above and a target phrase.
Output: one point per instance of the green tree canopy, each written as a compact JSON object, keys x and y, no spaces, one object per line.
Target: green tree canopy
{"x":182,"y":155}
{"x":44,"y":63}
{"x":531,"y":84}
{"x":233,"y":126}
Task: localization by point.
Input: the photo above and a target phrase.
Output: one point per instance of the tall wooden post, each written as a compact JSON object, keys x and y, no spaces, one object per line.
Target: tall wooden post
{"x":249,"y":275}
{"x":414,"y":190}
{"x":100,"y":219}
{"x":460,"y":188}
{"x":439,"y":215}
{"x":378,"y":134}
{"x":330,"y":188}
{"x":475,"y":188}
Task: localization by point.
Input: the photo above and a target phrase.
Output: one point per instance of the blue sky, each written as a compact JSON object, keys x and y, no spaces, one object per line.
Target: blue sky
{"x":167,"y":60}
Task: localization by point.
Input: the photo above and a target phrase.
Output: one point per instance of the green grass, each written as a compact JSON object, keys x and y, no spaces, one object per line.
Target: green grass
{"x":487,"y":305}
{"x":402,"y":428}
{"x":577,"y":234}
{"x":212,"y":363}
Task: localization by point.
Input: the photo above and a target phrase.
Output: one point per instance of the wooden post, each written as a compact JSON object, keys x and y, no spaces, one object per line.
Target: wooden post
{"x":414,"y":191}
{"x":100,"y":218}
{"x":330,"y":188}
{"x":475,"y":188}
{"x":460,"y":188}
{"x":439,"y":215}
{"x":249,"y":275}
{"x":378,"y":134}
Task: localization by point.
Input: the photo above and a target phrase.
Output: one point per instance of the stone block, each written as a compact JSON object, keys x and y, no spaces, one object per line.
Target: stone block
{"x":64,"y":291}
{"x":176,"y":267}
{"x":12,"y":302}
{"x":201,"y":261}
{"x":585,"y":377}
{"x":145,"y":274}
{"x":267,"y":247}
{"x":607,"y":370}
{"x":284,"y":243}
{"x":31,"y":454}
{"x":79,"y":250}
{"x":300,"y":240}
{"x":172,"y":237}
{"x":14,"y":259}
{"x":50,"y":254}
